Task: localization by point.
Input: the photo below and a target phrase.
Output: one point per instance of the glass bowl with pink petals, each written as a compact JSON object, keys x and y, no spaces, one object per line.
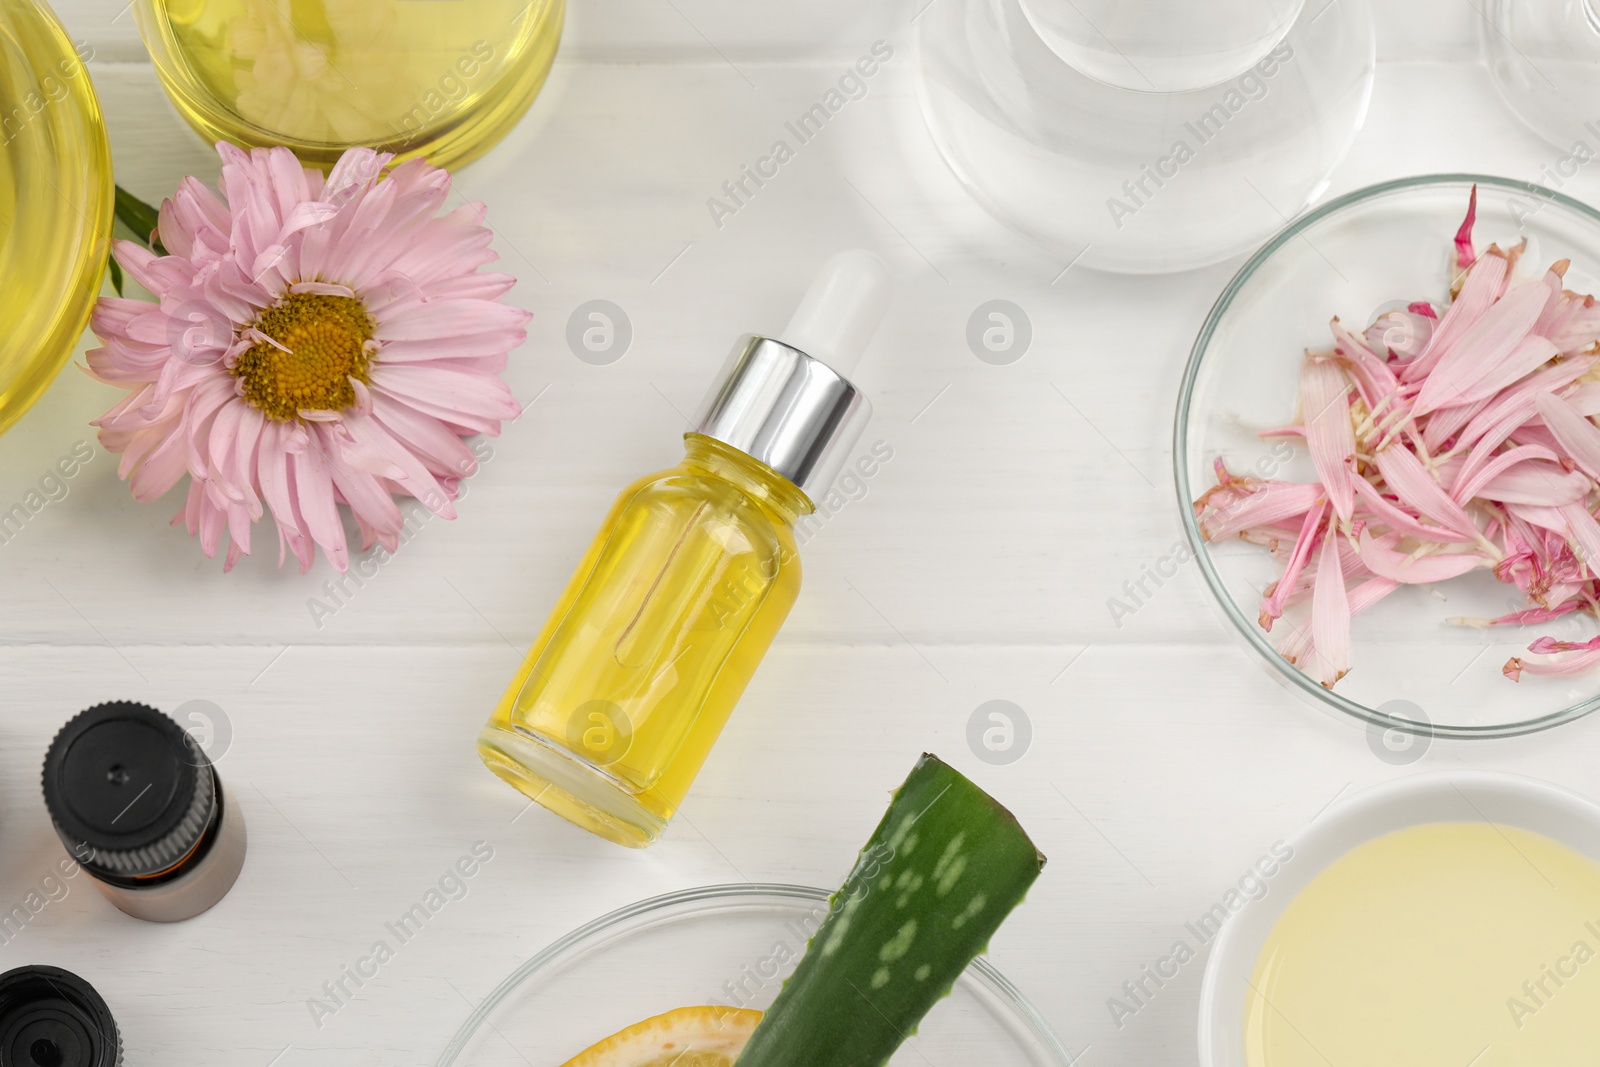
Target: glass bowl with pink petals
{"x":1436,"y":646}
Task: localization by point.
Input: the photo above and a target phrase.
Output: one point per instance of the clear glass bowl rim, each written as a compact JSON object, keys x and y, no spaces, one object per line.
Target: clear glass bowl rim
{"x":1247,"y":627}
{"x":684,"y":902}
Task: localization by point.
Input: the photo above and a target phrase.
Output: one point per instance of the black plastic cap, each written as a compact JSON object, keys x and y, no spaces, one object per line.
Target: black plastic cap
{"x":53,"y":1018}
{"x":128,"y":790}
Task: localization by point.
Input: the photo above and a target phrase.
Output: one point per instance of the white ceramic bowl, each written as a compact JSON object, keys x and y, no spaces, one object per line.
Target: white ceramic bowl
{"x":1504,"y":799}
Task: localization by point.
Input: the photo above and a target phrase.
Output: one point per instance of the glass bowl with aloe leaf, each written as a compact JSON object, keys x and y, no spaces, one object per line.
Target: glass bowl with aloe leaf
{"x":884,"y":970}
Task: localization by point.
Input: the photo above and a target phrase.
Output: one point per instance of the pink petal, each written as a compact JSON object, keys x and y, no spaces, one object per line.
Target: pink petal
{"x":1542,"y":517}
{"x":1330,"y":618}
{"x":276,"y":490}
{"x":447,"y":393}
{"x":160,"y":469}
{"x":246,"y":457}
{"x":446,"y":319}
{"x":314,"y":489}
{"x":1325,"y":408}
{"x":467,"y":346}
{"x":1537,"y":482}
{"x":1567,"y":658}
{"x":1397,"y":518}
{"x":441,"y":451}
{"x":1311,"y":529}
{"x":1535,"y":433}
{"x":1585,"y":399}
{"x":1516,"y":404}
{"x":414,"y":477}
{"x":369,"y":501}
{"x":1464,"y":489}
{"x":1372,"y":375}
{"x":1464,"y":253}
{"x":1531,"y":354}
{"x":1298,"y":644}
{"x":1400,"y":567}
{"x":1412,"y":483}
{"x":1443,"y":425}
{"x":1401,"y":334}
{"x":1552,"y":314}
{"x":1549,"y":646}
{"x":1484,"y":358}
{"x":1577,"y":329}
{"x":1579,"y":436}
{"x":1271,"y":502}
{"x":1534,"y":616}
{"x":1477,"y":294}
{"x":1585,"y":533}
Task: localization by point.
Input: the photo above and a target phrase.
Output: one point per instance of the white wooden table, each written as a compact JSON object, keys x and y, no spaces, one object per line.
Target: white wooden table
{"x":976,"y":567}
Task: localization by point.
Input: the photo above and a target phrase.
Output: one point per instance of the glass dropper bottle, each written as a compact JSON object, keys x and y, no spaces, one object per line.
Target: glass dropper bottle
{"x":683,"y":589}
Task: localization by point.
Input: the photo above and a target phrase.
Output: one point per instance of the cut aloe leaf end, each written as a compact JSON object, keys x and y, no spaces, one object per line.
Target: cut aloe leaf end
{"x":938,"y":876}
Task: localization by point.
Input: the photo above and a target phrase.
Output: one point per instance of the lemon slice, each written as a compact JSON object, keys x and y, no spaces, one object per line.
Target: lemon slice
{"x":702,"y":1036}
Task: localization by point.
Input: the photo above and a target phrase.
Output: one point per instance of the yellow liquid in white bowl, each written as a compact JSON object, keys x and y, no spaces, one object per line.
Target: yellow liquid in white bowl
{"x":1443,"y":945}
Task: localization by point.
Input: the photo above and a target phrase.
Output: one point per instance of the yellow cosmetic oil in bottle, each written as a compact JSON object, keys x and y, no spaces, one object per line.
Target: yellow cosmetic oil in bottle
{"x":680,"y":594}
{"x":55,"y":202}
{"x":444,"y":79}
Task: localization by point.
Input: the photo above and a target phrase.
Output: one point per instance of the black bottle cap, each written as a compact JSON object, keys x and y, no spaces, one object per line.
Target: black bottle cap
{"x":53,"y":1018}
{"x":129,"y":791}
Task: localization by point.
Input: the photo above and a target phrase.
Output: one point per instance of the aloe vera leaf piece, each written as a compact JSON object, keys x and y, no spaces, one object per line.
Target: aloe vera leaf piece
{"x":938,"y":876}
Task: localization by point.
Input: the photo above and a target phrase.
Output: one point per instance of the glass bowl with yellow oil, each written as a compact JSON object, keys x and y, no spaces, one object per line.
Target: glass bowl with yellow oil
{"x":55,"y":202}
{"x":730,"y":946}
{"x":443,"y":79}
{"x":1442,"y":918}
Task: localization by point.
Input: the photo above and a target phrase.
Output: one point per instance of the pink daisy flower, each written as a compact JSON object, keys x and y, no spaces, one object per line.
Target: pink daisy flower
{"x":318,"y":342}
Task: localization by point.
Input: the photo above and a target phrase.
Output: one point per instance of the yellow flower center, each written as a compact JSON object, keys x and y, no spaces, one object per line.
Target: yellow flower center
{"x":325,"y":338}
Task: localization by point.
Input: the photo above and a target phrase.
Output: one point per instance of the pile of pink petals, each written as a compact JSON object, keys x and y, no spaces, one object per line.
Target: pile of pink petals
{"x":1445,"y":440}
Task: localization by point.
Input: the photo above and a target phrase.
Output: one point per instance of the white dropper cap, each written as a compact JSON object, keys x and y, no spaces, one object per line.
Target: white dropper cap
{"x":841,"y":311}
{"x":787,"y":401}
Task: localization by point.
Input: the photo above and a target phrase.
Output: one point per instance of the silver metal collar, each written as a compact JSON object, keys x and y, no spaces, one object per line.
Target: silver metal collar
{"x":778,"y":405}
